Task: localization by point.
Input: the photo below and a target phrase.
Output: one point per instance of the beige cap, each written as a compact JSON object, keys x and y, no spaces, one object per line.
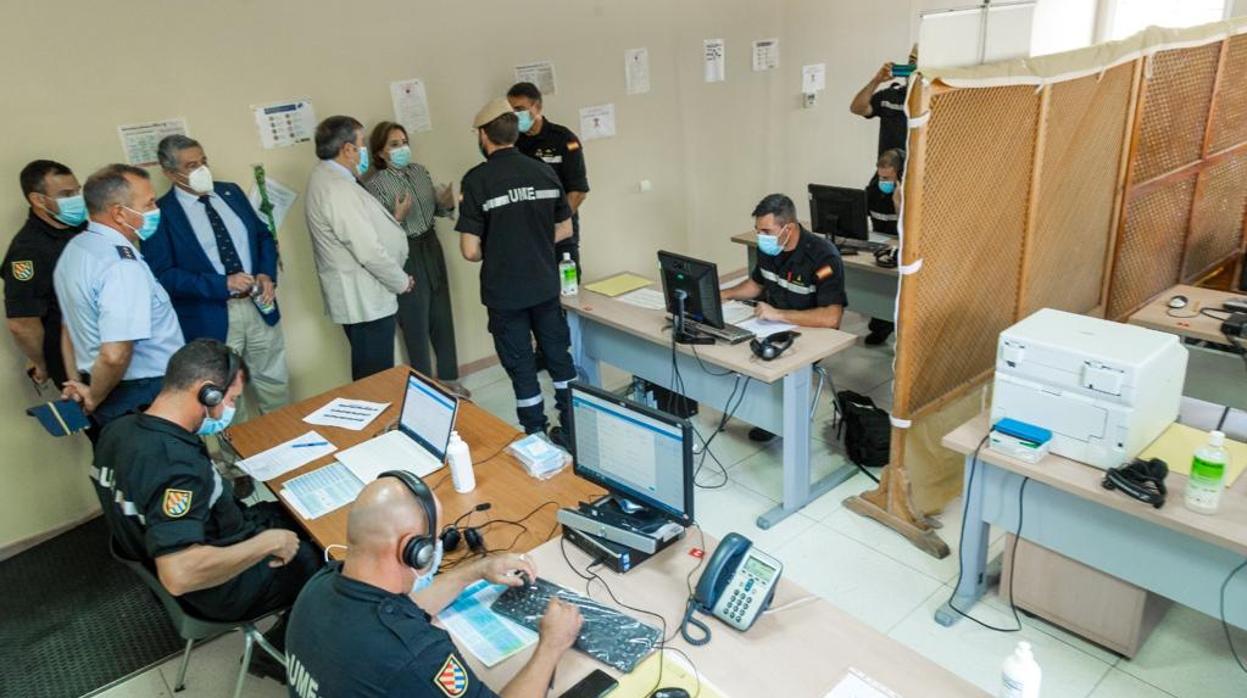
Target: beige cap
{"x":494,"y":109}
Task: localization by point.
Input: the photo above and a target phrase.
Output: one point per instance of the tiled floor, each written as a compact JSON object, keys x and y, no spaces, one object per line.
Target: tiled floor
{"x":865,"y":569}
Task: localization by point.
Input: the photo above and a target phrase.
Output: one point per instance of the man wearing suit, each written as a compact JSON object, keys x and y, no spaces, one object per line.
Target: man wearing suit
{"x":218,"y":261}
{"x":359,"y":248}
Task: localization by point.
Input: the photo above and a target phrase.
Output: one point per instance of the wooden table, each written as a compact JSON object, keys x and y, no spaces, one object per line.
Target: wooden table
{"x":871,"y":288}
{"x":1171,"y":551}
{"x":803,"y":651}
{"x":500,"y":478}
{"x":1206,"y":367}
{"x":777,"y":394}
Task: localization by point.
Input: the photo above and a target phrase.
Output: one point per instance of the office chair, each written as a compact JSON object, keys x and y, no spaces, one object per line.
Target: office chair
{"x":192,"y":628}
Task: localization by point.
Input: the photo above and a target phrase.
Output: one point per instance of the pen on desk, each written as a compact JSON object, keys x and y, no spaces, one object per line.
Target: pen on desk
{"x":311,"y":443}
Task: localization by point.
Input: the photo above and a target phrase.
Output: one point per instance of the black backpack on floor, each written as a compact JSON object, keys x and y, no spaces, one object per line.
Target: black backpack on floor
{"x":866,"y":428}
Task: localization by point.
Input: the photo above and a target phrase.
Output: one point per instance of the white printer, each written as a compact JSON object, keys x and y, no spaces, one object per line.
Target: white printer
{"x":1105,"y":390}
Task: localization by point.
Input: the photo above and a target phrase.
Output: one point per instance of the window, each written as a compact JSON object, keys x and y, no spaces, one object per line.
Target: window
{"x":986,"y":31}
{"x":1125,"y":17}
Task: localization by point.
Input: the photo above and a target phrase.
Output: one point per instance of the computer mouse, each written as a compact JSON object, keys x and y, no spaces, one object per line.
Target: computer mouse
{"x":669,"y":693}
{"x":1178,"y":302}
{"x":528,"y":581}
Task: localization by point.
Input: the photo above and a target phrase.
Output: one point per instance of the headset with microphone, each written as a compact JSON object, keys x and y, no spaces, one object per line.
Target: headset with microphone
{"x":772,"y":346}
{"x":211,"y":394}
{"x":1141,"y":479}
{"x":418,"y":552}
{"x":454,"y":533}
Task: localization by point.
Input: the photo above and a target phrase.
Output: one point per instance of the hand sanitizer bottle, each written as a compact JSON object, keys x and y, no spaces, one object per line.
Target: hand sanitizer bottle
{"x":1020,"y":675}
{"x":460,"y":459}
{"x":567,"y":276}
{"x":1207,"y":480}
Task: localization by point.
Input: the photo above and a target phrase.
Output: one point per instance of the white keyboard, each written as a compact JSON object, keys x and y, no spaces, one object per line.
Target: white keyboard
{"x":735,"y":312}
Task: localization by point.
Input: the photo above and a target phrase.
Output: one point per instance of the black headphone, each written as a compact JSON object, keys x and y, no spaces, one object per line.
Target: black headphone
{"x":211,"y":394}
{"x":1141,"y":479}
{"x":418,"y":552}
{"x":453,"y":533}
{"x":770,"y":347}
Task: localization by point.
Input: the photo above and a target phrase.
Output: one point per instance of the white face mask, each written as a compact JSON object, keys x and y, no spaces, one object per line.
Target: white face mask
{"x":424,"y":580}
{"x":200,"y":180}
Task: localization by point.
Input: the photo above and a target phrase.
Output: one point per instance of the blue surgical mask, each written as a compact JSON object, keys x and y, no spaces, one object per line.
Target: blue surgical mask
{"x":526,"y":120}
{"x":362,"y":167}
{"x":401,"y":157}
{"x":212,"y":426}
{"x":71,"y":210}
{"x":887,"y":186}
{"x":769,"y":244}
{"x":424,"y":580}
{"x":151,"y":221}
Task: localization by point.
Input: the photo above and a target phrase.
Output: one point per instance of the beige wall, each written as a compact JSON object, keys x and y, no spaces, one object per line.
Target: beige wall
{"x":74,"y":70}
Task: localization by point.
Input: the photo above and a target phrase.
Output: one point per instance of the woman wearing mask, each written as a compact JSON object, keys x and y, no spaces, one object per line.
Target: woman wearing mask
{"x":406,"y":190}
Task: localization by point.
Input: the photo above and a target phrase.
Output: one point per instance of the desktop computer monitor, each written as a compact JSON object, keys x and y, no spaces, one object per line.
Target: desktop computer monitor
{"x":640,"y":455}
{"x":697,"y":282}
{"x":838,"y":212}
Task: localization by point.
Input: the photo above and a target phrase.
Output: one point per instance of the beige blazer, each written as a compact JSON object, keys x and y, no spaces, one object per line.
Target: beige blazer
{"x":359,"y":248}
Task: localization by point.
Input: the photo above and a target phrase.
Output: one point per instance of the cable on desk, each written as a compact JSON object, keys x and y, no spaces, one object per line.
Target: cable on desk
{"x":1208,"y":312}
{"x":1225,"y":625}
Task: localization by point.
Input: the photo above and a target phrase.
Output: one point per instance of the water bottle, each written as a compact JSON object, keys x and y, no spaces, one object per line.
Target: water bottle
{"x":1207,"y":480}
{"x":1020,"y":675}
{"x":257,"y":297}
{"x":460,"y":459}
{"x":567,"y":276}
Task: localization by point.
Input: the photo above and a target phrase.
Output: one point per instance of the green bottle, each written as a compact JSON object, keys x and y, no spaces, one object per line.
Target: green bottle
{"x":1207,"y":480}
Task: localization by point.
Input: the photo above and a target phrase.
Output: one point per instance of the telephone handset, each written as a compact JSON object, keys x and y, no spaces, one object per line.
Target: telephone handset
{"x":737,"y":586}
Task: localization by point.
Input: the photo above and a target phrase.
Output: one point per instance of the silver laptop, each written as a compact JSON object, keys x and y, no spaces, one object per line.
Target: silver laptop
{"x":419,"y":443}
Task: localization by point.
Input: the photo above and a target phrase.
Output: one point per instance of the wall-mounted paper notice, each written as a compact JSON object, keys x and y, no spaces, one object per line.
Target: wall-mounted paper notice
{"x":279,"y":195}
{"x":597,"y":122}
{"x":139,"y":141}
{"x":411,"y":105}
{"x":636,"y":70}
{"x":539,"y":73}
{"x":765,"y":54}
{"x":713,"y":54}
{"x":813,"y":78}
{"x":285,"y":123}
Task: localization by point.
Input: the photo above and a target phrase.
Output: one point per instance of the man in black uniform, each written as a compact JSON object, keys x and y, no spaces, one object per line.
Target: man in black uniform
{"x":57,"y":213}
{"x":171,"y":509}
{"x":512,"y":212}
{"x":883,"y":194}
{"x":358,"y":630}
{"x":559,"y":148}
{"x":799,"y":277}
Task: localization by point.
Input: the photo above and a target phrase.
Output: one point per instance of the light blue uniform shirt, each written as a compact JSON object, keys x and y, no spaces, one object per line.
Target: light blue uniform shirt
{"x":197,"y":214}
{"x":108,"y":294}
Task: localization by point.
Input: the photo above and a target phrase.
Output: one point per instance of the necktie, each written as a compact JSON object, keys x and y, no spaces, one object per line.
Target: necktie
{"x":224,"y":244}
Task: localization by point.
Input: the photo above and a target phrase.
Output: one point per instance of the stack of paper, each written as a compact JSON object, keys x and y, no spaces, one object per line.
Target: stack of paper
{"x":647,"y":298}
{"x":487,"y":635}
{"x":284,"y":457}
{"x":765,"y":328}
{"x":347,"y":414}
{"x":321,"y":491}
{"x":618,"y":284}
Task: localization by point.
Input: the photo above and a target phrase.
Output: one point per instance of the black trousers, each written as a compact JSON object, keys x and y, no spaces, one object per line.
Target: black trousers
{"x":424,"y":314}
{"x":514,"y":332}
{"x":372,"y":346}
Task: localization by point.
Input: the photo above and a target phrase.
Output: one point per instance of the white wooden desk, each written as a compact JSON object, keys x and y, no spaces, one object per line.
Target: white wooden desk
{"x":1171,"y":551}
{"x":777,"y":395}
{"x":798,"y":653}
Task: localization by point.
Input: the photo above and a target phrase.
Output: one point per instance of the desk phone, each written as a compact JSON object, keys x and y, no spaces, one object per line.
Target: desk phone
{"x":737,"y":586}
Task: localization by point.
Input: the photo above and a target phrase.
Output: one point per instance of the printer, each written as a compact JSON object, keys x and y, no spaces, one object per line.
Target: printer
{"x":1104,"y":389}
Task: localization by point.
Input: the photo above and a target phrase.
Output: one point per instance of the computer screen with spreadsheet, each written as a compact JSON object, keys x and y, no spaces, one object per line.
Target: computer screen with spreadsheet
{"x":637,"y":453}
{"x":428,"y":414}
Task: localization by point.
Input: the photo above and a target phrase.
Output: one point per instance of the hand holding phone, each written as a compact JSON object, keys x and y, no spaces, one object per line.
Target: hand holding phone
{"x":595,"y":685}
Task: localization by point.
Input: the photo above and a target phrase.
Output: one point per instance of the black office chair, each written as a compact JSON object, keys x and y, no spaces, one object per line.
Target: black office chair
{"x":192,"y":628}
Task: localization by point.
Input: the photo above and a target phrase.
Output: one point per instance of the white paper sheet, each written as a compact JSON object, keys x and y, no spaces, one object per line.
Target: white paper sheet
{"x":636,"y":70}
{"x":765,"y":54}
{"x":856,"y":684}
{"x":280,"y":196}
{"x":287,"y":456}
{"x":764,"y":328}
{"x":321,"y":491}
{"x":347,"y":414}
{"x":411,"y":105}
{"x":285,"y":123}
{"x":597,"y":122}
{"x":813,"y":78}
{"x":489,"y":636}
{"x":648,"y":298}
{"x":735,"y":312}
{"x":539,"y":73}
{"x":139,"y":141}
{"x":713,"y":56}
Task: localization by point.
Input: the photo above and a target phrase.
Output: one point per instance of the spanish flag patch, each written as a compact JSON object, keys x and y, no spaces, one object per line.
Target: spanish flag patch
{"x":573,"y":145}
{"x":824,"y":272}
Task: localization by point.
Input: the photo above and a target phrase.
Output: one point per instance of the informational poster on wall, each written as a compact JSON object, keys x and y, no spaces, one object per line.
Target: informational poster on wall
{"x":636,"y":70}
{"x":139,"y":141}
{"x":279,"y":195}
{"x":765,"y":54}
{"x":411,"y":105}
{"x":714,"y":58}
{"x":539,"y":73}
{"x":813,"y":78}
{"x":597,"y":122}
{"x":283,"y":124}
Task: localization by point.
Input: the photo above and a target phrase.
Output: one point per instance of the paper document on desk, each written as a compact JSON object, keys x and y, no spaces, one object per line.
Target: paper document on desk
{"x":735,"y":312}
{"x":284,"y":457}
{"x":676,"y":673}
{"x":1177,"y":443}
{"x":648,"y":298}
{"x":618,"y":284}
{"x":347,"y":414}
{"x":321,"y":491}
{"x":765,"y":328}
{"x":487,"y":635}
{"x":856,"y":684}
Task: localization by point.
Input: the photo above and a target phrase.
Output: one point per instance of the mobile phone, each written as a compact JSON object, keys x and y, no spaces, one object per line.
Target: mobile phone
{"x":903,"y":70}
{"x":595,"y":685}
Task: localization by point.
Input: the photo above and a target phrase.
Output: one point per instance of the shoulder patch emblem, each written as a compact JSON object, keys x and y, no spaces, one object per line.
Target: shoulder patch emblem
{"x":23,"y":270}
{"x":824,"y":272}
{"x":452,"y":678}
{"x":573,"y":145}
{"x":125,"y":252}
{"x":176,"y":503}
